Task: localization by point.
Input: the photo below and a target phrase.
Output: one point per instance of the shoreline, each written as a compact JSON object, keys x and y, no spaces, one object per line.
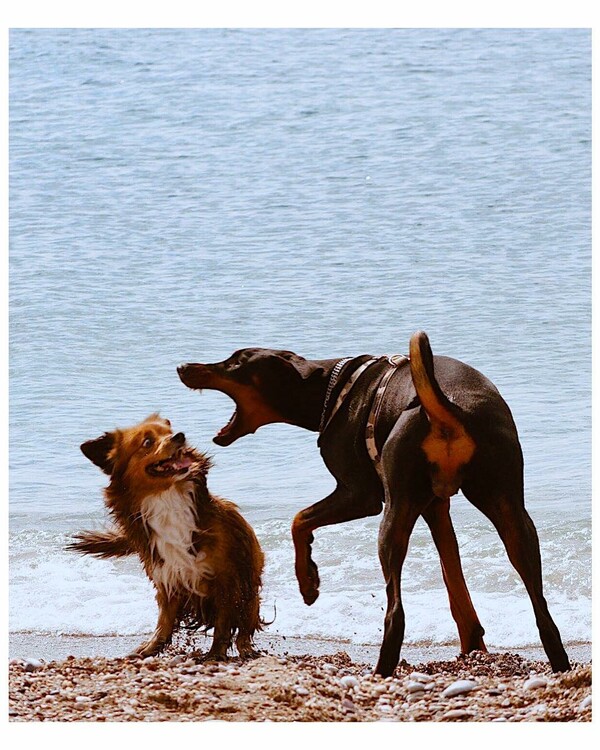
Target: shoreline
{"x":53,"y":647}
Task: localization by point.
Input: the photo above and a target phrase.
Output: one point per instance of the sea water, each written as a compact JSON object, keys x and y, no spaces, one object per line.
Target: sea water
{"x":179,"y":194}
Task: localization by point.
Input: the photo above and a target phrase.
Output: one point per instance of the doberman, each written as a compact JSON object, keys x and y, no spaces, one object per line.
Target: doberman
{"x":403,"y":434}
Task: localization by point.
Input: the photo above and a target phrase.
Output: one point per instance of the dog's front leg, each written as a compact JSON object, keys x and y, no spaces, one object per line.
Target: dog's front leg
{"x":222,"y":635}
{"x":167,"y":619}
{"x":338,"y":507}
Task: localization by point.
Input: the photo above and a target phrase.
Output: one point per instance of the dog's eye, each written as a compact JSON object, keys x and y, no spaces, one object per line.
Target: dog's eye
{"x":147,"y":442}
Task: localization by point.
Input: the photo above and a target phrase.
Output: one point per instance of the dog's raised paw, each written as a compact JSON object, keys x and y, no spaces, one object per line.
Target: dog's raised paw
{"x":310,"y":597}
{"x":309,"y":584}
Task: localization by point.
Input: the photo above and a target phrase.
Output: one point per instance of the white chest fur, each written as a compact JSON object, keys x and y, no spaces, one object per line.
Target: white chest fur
{"x":171,"y":521}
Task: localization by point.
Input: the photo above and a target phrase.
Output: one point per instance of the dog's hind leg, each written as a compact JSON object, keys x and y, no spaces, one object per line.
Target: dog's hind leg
{"x":249,"y":623}
{"x":338,"y":507}
{"x":407,"y":496}
{"x":398,"y":522}
{"x":437,"y":517}
{"x":507,"y":512}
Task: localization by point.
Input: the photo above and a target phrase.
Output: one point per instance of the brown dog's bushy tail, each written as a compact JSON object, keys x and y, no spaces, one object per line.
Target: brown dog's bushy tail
{"x":448,"y":446}
{"x":102,"y":544}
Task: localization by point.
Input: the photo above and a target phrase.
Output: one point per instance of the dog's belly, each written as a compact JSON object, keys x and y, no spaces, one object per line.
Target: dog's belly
{"x":171,"y":523}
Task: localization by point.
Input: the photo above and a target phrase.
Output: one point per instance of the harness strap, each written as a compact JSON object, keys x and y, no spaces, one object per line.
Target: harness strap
{"x":344,"y":392}
{"x":372,"y":450}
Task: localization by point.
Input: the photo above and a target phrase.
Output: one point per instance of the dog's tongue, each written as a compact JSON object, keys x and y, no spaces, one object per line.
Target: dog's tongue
{"x":183,"y":462}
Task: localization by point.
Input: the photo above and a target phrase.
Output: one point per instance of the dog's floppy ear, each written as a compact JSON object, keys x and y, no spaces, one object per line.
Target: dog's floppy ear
{"x":98,"y":451}
{"x":304,"y":367}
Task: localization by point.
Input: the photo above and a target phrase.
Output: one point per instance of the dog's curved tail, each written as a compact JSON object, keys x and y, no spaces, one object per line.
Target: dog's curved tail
{"x":448,"y":446}
{"x":104,"y":544}
{"x":437,"y":406}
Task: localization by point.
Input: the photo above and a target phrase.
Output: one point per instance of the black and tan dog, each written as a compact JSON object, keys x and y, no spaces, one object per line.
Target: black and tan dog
{"x":402,"y":434}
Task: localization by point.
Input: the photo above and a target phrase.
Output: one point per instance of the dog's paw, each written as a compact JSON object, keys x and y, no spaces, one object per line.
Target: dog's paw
{"x":309,"y":585}
{"x":216,"y":656}
{"x":249,"y":653}
{"x":310,"y":596}
{"x":150,"y":648}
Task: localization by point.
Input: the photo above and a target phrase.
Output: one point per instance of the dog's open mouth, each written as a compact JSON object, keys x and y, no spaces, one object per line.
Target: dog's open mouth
{"x":179,"y":463}
{"x":228,"y":434}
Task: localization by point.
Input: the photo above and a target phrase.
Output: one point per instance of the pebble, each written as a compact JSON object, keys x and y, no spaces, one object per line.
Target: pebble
{"x":177,"y":660}
{"x":379,"y":689}
{"x":415,"y":687}
{"x":459,"y":713}
{"x":587,"y":701}
{"x":541,"y":708}
{"x":534,"y":683}
{"x":349,"y":682}
{"x":460,"y":687}
{"x":195,"y":669}
{"x":301,"y":690}
{"x":348,"y":705}
{"x":83,"y":699}
{"x":420,"y":677}
{"x":32,"y":664}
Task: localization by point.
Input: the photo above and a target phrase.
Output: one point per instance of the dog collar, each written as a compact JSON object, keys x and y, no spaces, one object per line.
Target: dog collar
{"x":335,"y":373}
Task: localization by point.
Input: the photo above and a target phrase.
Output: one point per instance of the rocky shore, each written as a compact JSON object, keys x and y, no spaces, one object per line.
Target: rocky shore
{"x":332,"y":688}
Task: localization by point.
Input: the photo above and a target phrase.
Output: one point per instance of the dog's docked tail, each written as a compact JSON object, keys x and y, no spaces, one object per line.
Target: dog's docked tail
{"x":102,"y":544}
{"x":448,"y":446}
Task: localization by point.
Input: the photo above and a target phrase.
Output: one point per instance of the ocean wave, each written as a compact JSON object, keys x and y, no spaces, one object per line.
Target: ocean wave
{"x":52,"y":591}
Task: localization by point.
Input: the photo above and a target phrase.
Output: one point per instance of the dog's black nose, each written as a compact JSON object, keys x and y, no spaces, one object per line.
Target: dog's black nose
{"x":178,"y":439}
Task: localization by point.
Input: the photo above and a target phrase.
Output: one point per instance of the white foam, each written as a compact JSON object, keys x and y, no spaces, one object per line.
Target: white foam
{"x":53,"y":591}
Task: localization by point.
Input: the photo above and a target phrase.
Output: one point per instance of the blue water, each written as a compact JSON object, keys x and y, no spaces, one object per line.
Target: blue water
{"x":178,"y":194}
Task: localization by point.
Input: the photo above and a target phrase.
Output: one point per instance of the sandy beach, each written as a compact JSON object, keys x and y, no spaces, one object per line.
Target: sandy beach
{"x":64,"y":679}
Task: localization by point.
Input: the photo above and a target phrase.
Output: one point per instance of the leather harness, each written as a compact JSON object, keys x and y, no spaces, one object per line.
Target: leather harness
{"x":394,"y":361}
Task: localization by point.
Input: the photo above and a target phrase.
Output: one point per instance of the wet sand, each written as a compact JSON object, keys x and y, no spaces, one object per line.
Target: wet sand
{"x":57,"y":647}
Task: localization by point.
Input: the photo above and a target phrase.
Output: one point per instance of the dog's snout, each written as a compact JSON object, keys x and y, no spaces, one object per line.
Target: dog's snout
{"x":178,"y":439}
{"x":194,"y":375}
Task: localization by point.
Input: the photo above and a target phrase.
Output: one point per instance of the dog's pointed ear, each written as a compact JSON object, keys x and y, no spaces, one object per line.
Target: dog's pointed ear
{"x":98,"y":451}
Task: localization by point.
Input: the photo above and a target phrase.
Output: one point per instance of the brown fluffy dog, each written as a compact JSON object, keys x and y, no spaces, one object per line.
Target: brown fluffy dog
{"x":201,"y":555}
